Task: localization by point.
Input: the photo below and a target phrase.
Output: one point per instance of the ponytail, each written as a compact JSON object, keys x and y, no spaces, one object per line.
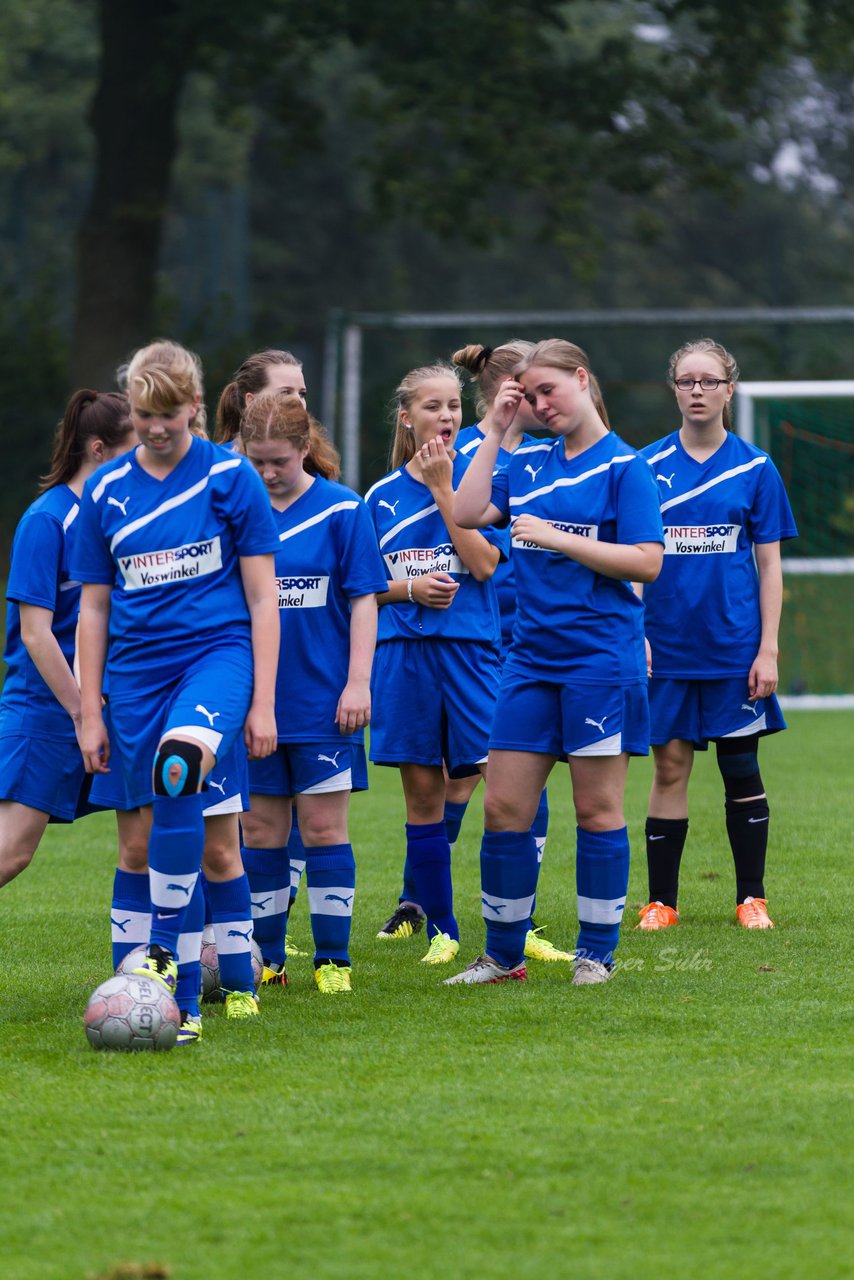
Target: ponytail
{"x":89,"y":415}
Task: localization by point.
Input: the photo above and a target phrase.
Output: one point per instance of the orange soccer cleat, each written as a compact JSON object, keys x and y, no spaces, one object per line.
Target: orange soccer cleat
{"x":655,"y":915}
{"x":753,"y":914}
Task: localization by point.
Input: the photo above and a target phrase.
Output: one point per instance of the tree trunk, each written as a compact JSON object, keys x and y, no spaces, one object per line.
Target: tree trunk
{"x":147,"y":53}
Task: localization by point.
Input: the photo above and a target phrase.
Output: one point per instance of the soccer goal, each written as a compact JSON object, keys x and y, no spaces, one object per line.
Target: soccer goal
{"x":808,"y":429}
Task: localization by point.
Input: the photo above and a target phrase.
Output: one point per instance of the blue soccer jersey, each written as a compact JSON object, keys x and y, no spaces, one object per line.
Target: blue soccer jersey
{"x":573,"y":623}
{"x":170,"y":550}
{"x":468,"y":442}
{"x":414,"y":540}
{"x":39,"y":575}
{"x":702,"y":612}
{"x":327,"y":554}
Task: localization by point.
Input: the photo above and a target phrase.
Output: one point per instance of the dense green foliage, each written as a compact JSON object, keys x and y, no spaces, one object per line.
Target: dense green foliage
{"x":688,"y":1119}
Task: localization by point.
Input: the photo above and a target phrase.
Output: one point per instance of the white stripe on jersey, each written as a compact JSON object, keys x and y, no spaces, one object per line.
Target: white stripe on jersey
{"x":70,"y":518}
{"x":171,"y":503}
{"x":98,"y":491}
{"x":385,"y":480}
{"x":419,"y":515}
{"x":665,"y":453}
{"x":570,"y":480}
{"x":473,"y":444}
{"x":710,"y":484}
{"x":323,"y":515}
{"x":534,"y":448}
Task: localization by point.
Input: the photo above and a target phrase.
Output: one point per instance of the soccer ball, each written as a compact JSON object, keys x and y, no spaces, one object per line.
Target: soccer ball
{"x":132,"y":960}
{"x":131,"y":1012}
{"x":211,"y":990}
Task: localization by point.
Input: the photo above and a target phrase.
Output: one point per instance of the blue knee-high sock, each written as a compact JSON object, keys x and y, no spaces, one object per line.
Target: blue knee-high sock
{"x":508,"y":876}
{"x":189,"y":950}
{"x":330,"y":877}
{"x":539,"y":830}
{"x":231,"y":914}
{"x":454,"y":814}
{"x":130,"y":914}
{"x":602,"y":879}
{"x":268,"y":874}
{"x":408,"y":893}
{"x":296,"y":857}
{"x":174,"y":858}
{"x":428,"y":855}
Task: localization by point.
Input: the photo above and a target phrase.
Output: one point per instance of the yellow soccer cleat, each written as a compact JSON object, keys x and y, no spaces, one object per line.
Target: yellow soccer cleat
{"x":241,"y":1004}
{"x":443,"y":949}
{"x":537,"y":948}
{"x":332,"y":979}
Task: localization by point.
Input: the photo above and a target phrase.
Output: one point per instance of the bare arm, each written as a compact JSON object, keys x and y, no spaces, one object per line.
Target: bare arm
{"x":638,"y":562}
{"x":43,"y":647}
{"x":473,"y":508}
{"x":354,"y":705}
{"x":92,"y":633}
{"x":763,"y":673}
{"x":259,"y":586}
{"x":479,"y":556}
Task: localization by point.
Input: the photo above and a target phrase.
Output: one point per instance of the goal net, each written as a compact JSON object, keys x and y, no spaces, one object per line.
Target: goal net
{"x":808,"y":429}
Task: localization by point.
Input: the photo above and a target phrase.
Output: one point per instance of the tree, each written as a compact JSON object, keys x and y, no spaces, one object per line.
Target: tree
{"x":467,"y":99}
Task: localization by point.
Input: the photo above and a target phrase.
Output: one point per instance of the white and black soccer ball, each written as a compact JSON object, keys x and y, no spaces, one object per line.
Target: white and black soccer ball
{"x":133,"y":959}
{"x":131,"y":1012}
{"x":211,"y":990}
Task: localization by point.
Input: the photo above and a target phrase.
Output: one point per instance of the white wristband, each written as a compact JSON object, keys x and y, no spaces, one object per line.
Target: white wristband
{"x":410,"y":597}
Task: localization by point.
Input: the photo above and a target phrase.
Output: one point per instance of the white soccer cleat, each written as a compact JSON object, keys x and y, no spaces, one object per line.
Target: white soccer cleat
{"x":483,"y":969}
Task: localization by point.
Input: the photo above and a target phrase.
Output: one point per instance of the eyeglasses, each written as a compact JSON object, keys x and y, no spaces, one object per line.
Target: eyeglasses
{"x":705,"y":384}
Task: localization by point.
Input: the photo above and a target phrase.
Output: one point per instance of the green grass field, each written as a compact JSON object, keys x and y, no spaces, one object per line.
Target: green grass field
{"x":689,"y":1119}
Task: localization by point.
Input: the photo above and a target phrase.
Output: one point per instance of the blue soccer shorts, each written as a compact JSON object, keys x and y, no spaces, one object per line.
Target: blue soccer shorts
{"x":208,"y":702}
{"x":433,"y":703}
{"x":699,"y":711}
{"x":47,"y":774}
{"x":310,"y":768}
{"x":570,"y":719}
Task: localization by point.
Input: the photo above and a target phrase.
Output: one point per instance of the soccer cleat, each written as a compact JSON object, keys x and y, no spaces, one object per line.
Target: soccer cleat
{"x":483,"y":969}
{"x":655,"y":915}
{"x":407,"y":920}
{"x":537,"y":948}
{"x":291,"y":949}
{"x":443,"y":949}
{"x":588,"y":972}
{"x":753,"y":914}
{"x":241,"y":1004}
{"x":332,"y":978}
{"x":191,"y":1028}
{"x":272,"y":977}
{"x":160,"y":964}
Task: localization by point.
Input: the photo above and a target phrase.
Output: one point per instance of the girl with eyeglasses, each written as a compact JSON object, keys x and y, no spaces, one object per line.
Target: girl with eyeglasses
{"x":712,"y":618}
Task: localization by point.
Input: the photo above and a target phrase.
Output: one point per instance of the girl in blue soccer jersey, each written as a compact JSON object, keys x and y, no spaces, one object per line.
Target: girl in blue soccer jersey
{"x":42,"y":776}
{"x":437,"y":661}
{"x":328,"y":574}
{"x":179,"y":603}
{"x":584,"y":517}
{"x":712,"y":619}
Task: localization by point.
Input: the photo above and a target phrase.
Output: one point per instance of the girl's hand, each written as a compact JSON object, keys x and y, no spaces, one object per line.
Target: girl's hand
{"x":437,"y":468}
{"x":762,"y":681}
{"x":94,"y":743}
{"x":504,"y":408}
{"x":354,"y":706}
{"x":435,"y":590}
{"x":259,"y":732}
{"x":540,"y":532}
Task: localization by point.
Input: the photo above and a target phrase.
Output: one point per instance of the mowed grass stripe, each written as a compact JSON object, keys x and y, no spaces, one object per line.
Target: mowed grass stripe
{"x":688,"y":1118}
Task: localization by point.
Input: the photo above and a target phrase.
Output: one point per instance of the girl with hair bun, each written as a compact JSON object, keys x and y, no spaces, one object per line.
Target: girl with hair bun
{"x":328,"y":574}
{"x":42,"y":774}
{"x":712,"y":620}
{"x":437,"y":662}
{"x":585,"y":523}
{"x":175,"y":553}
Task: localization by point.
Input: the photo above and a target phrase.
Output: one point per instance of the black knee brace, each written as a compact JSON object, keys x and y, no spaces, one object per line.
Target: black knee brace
{"x":739,"y":766}
{"x":188,"y":755}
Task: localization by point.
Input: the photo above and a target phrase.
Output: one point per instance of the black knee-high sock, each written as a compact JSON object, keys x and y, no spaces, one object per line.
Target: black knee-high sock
{"x":747,"y":828}
{"x":665,"y":840}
